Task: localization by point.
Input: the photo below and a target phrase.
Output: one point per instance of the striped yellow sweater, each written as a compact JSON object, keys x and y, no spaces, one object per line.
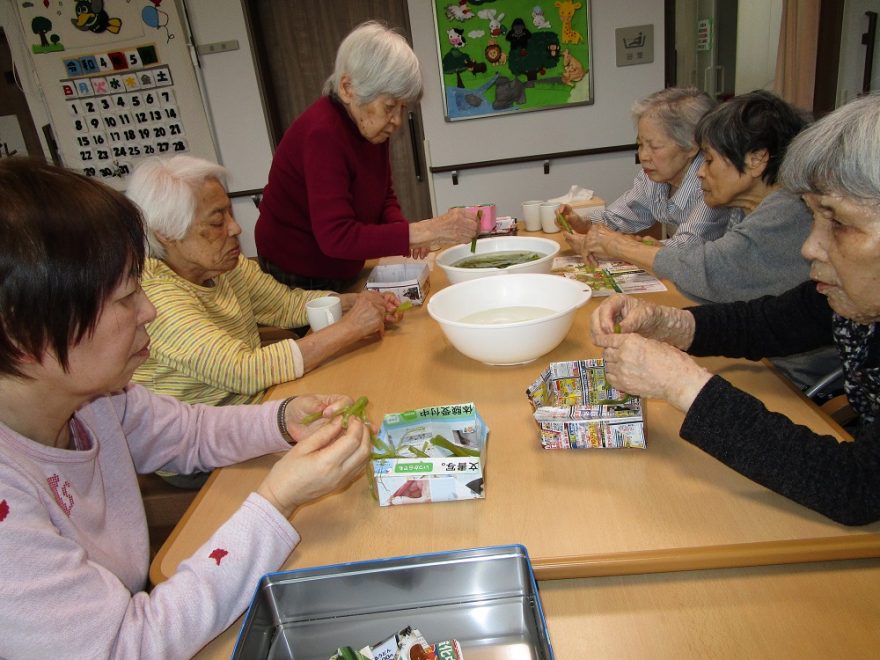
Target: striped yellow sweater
{"x":204,"y":342}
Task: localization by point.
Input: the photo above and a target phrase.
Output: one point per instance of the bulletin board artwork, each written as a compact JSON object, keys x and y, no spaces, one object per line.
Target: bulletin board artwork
{"x":506,"y":56}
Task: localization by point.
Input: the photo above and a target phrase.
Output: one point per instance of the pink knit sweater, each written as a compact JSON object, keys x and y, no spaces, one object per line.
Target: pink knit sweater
{"x":73,"y":537}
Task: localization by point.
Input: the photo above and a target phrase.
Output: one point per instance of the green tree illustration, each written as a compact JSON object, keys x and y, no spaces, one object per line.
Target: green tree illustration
{"x":543,"y":52}
{"x":41,"y":25}
{"x":455,"y":62}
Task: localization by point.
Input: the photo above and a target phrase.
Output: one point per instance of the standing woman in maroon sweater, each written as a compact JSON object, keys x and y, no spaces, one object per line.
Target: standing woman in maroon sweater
{"x":329,"y":204}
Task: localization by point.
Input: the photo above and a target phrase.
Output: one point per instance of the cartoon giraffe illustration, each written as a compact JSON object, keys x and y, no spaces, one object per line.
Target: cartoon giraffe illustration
{"x":567,"y":8}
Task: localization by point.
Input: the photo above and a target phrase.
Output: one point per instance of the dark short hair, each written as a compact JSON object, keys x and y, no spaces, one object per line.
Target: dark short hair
{"x":752,"y":122}
{"x":66,"y":242}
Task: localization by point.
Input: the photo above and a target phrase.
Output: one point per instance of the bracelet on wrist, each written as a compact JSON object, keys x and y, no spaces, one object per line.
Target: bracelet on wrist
{"x":282,"y":420}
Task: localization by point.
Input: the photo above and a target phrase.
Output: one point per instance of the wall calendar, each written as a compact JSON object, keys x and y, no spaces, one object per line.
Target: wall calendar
{"x":118,"y":81}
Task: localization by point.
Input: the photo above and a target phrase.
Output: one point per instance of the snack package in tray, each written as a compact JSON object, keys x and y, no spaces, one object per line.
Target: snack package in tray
{"x":576,"y":408}
{"x":433,"y":454}
{"x":408,"y":644}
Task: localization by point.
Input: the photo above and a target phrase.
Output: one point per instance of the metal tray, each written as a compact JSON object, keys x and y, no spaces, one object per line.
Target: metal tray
{"x":486,"y":598}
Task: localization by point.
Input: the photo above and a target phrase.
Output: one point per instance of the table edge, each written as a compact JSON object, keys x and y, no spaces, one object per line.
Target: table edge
{"x":736,"y":555}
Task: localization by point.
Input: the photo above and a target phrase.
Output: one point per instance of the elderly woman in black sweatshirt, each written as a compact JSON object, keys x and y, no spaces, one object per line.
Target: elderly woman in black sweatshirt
{"x":835,"y":165}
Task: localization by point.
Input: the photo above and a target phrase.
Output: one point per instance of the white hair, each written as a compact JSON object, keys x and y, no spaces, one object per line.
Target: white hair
{"x":678,"y":110}
{"x":379,"y":61}
{"x":839,"y":154}
{"x":166,"y":190}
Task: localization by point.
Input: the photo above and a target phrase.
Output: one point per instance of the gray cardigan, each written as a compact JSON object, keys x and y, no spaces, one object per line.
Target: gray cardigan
{"x":759,"y":256}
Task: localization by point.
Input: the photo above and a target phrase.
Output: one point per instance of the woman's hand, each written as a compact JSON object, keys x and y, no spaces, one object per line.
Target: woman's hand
{"x":319,"y":464}
{"x":347,"y":300}
{"x":367,"y":316}
{"x":625,"y":314}
{"x":454,"y":226}
{"x":392,"y":302}
{"x":600,"y":242}
{"x":577,"y":223}
{"x":310,"y":405}
{"x":652,"y":369}
{"x":578,"y":243}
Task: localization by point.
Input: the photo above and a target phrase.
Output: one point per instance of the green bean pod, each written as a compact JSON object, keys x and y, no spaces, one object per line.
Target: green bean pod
{"x":457,"y":450}
{"x":563,"y":222}
{"x":474,"y":241}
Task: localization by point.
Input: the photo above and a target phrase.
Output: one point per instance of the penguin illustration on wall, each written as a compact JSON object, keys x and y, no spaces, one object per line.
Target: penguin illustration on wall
{"x":91,"y":17}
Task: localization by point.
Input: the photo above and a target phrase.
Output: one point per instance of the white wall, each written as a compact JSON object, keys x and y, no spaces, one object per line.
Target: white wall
{"x":605,"y":123}
{"x":757,"y":42}
{"x":852,"y":52}
{"x":244,"y":145}
{"x":234,"y":107}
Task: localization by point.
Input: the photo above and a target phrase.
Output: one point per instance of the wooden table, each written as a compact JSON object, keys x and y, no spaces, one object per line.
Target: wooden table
{"x":580,"y":513}
{"x":803,"y":611}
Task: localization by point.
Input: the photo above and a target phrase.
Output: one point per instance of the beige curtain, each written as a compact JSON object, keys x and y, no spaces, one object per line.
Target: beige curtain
{"x":796,"y":58}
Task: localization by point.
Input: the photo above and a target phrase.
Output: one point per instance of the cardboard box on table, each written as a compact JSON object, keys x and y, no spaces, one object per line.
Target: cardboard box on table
{"x":408,"y":281}
{"x":575,"y":408}
{"x":414,"y":469}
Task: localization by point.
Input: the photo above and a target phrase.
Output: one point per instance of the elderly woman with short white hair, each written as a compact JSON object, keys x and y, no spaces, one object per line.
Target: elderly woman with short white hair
{"x":835,"y":165}
{"x":329,"y":204}
{"x":204,"y":342}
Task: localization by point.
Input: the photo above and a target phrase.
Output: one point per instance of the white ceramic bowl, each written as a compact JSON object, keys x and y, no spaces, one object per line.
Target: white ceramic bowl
{"x":548,"y":247}
{"x":517,"y":338}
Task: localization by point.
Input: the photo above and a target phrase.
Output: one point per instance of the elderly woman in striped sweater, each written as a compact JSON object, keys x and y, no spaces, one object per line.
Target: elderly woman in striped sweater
{"x":204,"y":342}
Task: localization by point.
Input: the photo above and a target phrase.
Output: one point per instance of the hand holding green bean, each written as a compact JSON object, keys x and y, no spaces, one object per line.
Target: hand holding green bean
{"x":563,"y":222}
{"x":324,"y":458}
{"x":477,"y":235}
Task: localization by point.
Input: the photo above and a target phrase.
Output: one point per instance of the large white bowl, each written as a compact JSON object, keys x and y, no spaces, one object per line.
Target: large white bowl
{"x":516,"y":341}
{"x":548,"y":247}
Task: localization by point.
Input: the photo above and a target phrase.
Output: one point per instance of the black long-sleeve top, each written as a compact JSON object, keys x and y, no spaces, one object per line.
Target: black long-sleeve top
{"x":840,"y":480}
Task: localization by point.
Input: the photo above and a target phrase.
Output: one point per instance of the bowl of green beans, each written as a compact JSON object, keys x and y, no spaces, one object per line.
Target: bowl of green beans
{"x":498,"y":255}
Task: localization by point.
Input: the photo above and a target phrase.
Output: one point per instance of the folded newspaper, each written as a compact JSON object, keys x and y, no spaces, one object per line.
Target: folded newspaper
{"x":576,"y":408}
{"x":610,"y":276}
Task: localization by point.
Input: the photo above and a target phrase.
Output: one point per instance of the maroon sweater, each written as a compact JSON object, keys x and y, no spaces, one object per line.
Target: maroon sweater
{"x":329,"y":204}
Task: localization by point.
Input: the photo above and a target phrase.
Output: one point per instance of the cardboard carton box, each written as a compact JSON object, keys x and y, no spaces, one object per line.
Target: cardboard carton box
{"x":407,"y":281}
{"x":433,"y":454}
{"x":575,"y":408}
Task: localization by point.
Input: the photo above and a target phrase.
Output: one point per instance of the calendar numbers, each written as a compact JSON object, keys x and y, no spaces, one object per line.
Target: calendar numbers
{"x":118,"y":121}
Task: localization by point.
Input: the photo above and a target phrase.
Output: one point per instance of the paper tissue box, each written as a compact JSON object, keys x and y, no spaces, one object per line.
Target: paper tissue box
{"x":584,"y":207}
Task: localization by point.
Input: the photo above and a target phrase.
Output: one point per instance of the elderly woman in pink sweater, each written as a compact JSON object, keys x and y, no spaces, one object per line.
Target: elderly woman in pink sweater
{"x":74,"y":434}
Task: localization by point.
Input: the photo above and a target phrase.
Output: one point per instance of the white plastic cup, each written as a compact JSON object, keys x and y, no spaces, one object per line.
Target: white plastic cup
{"x":323,"y":312}
{"x":548,"y":217}
{"x":532,"y":214}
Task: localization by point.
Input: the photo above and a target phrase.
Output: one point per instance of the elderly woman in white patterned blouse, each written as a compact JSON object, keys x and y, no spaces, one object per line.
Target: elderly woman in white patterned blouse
{"x":666,"y":189}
